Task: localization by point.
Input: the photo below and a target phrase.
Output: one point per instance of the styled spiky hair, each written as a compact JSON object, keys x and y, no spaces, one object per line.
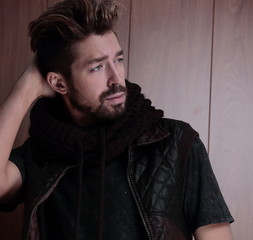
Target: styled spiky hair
{"x":55,"y":31}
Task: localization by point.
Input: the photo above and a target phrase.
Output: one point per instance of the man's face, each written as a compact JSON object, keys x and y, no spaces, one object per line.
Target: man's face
{"x":97,"y":89}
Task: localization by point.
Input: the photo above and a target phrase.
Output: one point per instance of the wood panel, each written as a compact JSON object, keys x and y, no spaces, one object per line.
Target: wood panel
{"x":170,"y":54}
{"x":14,"y":55}
{"x":231,"y":116}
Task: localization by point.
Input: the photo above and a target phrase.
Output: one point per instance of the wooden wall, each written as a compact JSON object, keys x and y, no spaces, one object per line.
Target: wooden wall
{"x":170,"y":49}
{"x":193,"y":58}
{"x":231,"y":128}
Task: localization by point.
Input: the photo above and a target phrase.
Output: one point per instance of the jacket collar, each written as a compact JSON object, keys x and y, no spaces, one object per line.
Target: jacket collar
{"x":154,"y":134}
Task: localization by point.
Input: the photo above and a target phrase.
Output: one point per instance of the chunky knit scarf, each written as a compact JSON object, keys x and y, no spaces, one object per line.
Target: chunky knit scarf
{"x":53,"y":131}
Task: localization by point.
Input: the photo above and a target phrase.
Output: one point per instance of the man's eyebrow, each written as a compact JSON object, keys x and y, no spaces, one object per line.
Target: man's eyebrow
{"x":119,"y":53}
{"x":96,"y":60}
{"x":100,"y":59}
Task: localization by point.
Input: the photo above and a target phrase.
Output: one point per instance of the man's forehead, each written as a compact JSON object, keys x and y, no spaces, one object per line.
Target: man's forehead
{"x":101,"y":57}
{"x":96,"y":47}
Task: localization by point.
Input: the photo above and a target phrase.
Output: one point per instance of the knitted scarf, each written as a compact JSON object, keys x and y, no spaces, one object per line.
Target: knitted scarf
{"x":52,"y":130}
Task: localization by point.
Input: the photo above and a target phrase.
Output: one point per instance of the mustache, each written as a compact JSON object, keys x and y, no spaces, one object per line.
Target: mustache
{"x":113,"y":90}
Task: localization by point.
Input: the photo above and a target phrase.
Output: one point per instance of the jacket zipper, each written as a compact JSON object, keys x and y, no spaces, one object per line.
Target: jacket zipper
{"x":42,"y":199}
{"x":133,"y":190}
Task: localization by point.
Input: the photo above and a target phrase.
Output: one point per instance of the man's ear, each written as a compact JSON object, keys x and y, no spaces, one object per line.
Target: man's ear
{"x":57,"y":82}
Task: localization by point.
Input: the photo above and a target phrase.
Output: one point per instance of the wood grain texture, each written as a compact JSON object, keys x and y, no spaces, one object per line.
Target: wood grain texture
{"x":14,"y":56}
{"x":170,"y":54}
{"x":232,"y":110}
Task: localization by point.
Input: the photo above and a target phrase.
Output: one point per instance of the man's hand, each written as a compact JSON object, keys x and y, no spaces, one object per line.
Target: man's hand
{"x":32,"y":81}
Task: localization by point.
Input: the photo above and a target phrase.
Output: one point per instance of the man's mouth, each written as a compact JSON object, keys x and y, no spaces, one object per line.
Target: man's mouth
{"x":117,"y":98}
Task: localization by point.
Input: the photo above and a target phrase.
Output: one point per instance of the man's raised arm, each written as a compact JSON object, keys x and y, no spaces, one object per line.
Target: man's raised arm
{"x":27,"y":89}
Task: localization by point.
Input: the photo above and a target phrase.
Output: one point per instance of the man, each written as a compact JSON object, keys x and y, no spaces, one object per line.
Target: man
{"x":100,"y":161}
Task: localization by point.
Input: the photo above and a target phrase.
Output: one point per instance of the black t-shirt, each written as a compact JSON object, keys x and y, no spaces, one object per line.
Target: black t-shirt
{"x":202,"y":201}
{"x":121,"y":219}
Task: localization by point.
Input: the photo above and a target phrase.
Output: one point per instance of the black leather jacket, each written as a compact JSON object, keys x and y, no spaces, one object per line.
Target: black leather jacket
{"x":155,"y":170}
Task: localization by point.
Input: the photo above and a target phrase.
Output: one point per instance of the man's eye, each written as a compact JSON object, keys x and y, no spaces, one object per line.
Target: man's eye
{"x":119,"y":60}
{"x":96,"y":68}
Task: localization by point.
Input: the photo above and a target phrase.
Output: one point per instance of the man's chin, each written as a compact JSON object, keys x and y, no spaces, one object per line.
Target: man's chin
{"x":112,"y":113}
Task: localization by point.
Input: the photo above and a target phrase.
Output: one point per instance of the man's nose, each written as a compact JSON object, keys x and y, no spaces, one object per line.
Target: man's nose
{"x":114,"y":76}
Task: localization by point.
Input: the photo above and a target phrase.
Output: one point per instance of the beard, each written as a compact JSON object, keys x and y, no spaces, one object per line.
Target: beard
{"x":102,"y":111}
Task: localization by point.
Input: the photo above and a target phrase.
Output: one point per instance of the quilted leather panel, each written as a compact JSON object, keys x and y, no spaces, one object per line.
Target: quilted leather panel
{"x":157,"y":175}
{"x":158,"y":181}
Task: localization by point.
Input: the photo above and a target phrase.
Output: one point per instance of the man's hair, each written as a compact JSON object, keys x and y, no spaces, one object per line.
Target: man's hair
{"x":55,"y":32}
